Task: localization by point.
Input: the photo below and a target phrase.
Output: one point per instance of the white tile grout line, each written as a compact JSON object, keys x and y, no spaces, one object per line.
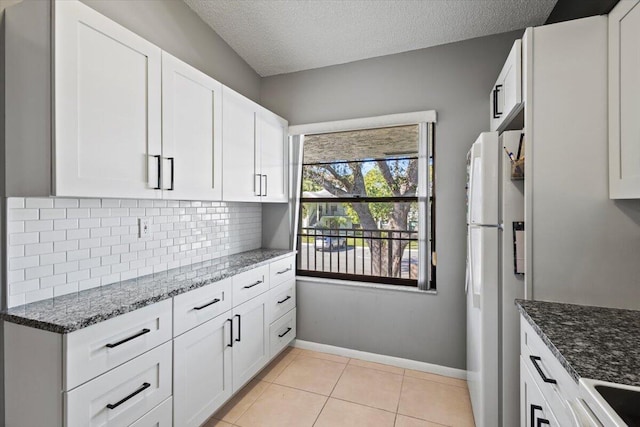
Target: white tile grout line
{"x":344,"y":368}
{"x":330,"y":396}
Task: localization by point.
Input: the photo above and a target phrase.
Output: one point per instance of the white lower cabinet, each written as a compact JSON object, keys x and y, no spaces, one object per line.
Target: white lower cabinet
{"x":251,"y":339}
{"x":281,"y":300}
{"x":546,"y":388}
{"x":534,"y":409}
{"x":281,"y":332}
{"x":202,"y":371}
{"x":123,"y":395}
{"x":160,"y":416}
{"x":136,"y":370}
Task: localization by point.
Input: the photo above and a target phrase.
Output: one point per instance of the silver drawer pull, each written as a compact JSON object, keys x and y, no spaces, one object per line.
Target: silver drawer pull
{"x":284,"y":271}
{"x":254,"y":284}
{"x":207,"y":304}
{"x":124,"y":399}
{"x":139,"y":334}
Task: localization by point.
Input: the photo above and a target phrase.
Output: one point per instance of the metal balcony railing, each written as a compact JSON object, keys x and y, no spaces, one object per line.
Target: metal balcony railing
{"x":382,"y":256}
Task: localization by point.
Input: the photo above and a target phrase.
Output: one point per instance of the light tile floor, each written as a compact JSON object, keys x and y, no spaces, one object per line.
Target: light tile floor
{"x":303,"y":388}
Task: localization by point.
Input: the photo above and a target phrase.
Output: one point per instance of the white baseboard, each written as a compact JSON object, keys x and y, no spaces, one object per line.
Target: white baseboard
{"x":381,"y":358}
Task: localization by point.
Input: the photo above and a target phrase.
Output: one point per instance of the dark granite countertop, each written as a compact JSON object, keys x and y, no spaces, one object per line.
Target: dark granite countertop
{"x":75,"y":311}
{"x":590,"y":342}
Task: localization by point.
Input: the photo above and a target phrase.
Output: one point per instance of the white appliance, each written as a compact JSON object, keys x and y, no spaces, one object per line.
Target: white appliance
{"x":494,"y":202}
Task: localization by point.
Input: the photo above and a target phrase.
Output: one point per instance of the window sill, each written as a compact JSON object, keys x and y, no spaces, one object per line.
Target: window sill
{"x":369,"y":285}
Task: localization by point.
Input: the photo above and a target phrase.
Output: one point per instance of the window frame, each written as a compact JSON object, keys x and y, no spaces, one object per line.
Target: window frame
{"x":426,"y":150}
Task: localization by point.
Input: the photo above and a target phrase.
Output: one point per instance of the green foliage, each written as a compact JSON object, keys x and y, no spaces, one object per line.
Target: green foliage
{"x":375,"y":178}
{"x":310,"y":185}
{"x":375,"y":186}
{"x":332,"y":222}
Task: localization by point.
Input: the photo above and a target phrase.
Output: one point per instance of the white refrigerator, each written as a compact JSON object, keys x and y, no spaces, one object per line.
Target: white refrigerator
{"x":494,"y":203}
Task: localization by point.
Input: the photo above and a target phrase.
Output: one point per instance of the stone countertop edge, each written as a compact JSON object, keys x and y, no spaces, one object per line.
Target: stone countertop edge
{"x":47,"y":314}
{"x":591,"y":342}
{"x":564,"y":362}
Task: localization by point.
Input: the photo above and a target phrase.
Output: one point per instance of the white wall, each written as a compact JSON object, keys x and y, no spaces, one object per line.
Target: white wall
{"x":455,"y":80}
{"x":586,"y":247}
{"x":174,"y":27}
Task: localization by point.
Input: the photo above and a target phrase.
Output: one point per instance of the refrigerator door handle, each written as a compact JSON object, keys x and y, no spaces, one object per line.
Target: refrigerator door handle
{"x":471,"y":275}
{"x":471,"y":188}
{"x":468,"y":275}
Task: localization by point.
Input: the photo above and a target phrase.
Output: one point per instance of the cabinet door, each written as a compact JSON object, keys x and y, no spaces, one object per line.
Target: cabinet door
{"x":506,"y":95}
{"x":534,"y":411}
{"x":160,"y":416}
{"x":251,"y":339}
{"x":191,"y":132}
{"x":202,"y":371}
{"x":241,"y":176}
{"x":107,"y":107}
{"x":624,"y":101}
{"x":272,"y":136}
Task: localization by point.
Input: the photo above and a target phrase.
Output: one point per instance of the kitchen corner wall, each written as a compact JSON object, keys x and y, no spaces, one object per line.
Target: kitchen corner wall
{"x":59,"y":246}
{"x":175,"y":28}
{"x":455,"y":80}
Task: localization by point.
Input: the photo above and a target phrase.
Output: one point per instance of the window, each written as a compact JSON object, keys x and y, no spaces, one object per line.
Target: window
{"x":367,"y":206}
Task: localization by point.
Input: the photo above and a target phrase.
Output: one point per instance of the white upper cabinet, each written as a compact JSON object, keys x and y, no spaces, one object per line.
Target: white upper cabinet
{"x":84,"y":104}
{"x":271,"y":132}
{"x":506,"y":95}
{"x":255,"y":152}
{"x":240,"y":180}
{"x":624,"y":100}
{"x":191,"y":132}
{"x":106,"y":107}
{"x":94,"y":110}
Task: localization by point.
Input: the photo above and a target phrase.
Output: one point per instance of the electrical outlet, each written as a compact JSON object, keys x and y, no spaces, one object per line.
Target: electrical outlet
{"x":143,"y":227}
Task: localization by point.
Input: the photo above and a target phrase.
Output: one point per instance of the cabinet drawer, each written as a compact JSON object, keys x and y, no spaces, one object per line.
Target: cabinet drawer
{"x":96,"y":349}
{"x":534,"y":409}
{"x":282,"y":299}
{"x":282,"y":270}
{"x":281,"y":332}
{"x":199,"y":305}
{"x":124,"y":394}
{"x":250,"y":284}
{"x":160,"y":416}
{"x":554,"y":382}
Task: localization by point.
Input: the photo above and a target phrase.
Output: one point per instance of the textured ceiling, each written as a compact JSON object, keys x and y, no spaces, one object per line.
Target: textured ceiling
{"x":282,"y":36}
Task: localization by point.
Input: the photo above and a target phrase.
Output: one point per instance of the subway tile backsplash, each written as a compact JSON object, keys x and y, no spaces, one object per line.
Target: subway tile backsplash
{"x":59,"y":246}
